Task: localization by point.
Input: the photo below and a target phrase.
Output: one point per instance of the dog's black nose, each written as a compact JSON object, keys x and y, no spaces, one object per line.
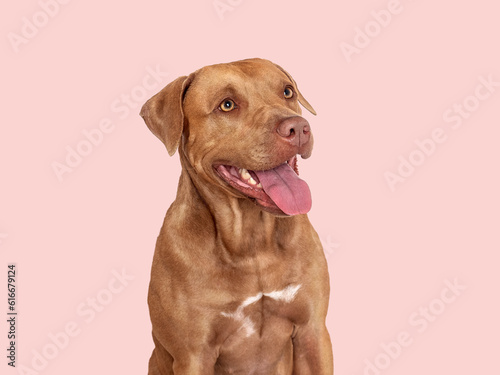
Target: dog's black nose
{"x":296,"y":130}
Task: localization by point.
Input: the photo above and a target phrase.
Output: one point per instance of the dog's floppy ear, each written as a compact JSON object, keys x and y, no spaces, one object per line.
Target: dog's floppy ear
{"x":302,"y":100}
{"x":163,"y":113}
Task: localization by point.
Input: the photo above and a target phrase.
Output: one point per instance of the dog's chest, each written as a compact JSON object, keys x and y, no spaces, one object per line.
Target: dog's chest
{"x":250,"y":314}
{"x":260,"y":326}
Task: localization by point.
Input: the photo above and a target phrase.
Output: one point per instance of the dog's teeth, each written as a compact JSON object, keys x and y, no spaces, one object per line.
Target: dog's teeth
{"x":252,"y":181}
{"x":259,"y":185}
{"x":244,"y":173}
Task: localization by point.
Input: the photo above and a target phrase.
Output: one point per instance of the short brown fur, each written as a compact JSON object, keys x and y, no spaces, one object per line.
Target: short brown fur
{"x":217,"y":247}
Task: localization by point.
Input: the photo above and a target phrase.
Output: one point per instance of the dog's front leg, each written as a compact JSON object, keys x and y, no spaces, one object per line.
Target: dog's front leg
{"x":193,"y":366}
{"x":183,"y":360}
{"x":312,"y":351}
{"x":194,"y":363}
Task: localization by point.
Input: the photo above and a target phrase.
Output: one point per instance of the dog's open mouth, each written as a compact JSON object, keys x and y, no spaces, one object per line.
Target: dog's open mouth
{"x":278,"y":190}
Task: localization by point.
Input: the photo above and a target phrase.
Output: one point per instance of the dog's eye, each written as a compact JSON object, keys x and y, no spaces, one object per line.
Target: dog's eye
{"x":227,"y":105}
{"x":288,"y":92}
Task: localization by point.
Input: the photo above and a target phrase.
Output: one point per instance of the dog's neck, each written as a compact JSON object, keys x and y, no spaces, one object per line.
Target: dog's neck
{"x":240,"y":227}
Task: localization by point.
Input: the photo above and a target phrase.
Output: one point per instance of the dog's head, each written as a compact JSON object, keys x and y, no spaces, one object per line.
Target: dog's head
{"x":239,"y":127}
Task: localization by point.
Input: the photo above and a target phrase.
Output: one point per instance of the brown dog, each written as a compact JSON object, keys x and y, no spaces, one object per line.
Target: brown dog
{"x":239,"y":282}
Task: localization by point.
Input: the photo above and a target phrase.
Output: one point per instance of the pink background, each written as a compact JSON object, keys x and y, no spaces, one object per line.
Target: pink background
{"x":390,"y":253}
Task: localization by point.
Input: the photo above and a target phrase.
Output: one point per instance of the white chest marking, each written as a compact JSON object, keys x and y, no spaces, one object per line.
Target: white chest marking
{"x":286,"y":295}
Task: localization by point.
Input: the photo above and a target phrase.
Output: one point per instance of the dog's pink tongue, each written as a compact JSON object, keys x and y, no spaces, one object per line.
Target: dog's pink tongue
{"x":286,"y":189}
